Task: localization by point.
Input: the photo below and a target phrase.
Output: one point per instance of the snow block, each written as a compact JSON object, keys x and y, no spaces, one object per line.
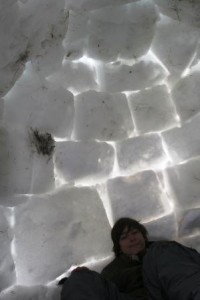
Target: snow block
{"x":192,"y":242}
{"x":140,"y":153}
{"x":13,"y":43}
{"x":182,"y":11}
{"x":12,"y":200}
{"x":56,"y":231}
{"x":186,"y":94}
{"x":76,"y":77}
{"x":76,"y":36}
{"x":35,"y":103}
{"x":183,"y":143}
{"x":175,"y":44}
{"x":131,"y":26}
{"x":9,"y":75}
{"x":184,"y":182}
{"x":44,"y":23}
{"x":102,"y":116}
{"x":152,"y":110}
{"x":115,"y":78}
{"x":88,"y":162}
{"x":164,"y":228}
{"x":129,"y":198}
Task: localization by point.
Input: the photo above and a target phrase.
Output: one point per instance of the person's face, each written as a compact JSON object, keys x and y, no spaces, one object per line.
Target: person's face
{"x":132,"y":242}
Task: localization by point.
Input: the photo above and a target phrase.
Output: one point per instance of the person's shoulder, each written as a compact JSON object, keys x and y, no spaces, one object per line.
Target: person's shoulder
{"x":169,"y":245}
{"x":163,"y":243}
{"x":154,"y":243}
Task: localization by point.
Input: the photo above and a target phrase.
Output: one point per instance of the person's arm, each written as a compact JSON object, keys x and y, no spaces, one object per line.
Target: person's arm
{"x":151,"y":279}
{"x":79,"y":269}
{"x":154,"y":291}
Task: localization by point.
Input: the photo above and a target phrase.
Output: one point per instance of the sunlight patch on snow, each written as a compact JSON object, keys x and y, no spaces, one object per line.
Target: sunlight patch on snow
{"x":151,"y":55}
{"x":168,"y":191}
{"x":103,"y":194}
{"x":12,"y":217}
{"x":59,"y":179}
{"x":88,"y":61}
{"x":169,"y":158}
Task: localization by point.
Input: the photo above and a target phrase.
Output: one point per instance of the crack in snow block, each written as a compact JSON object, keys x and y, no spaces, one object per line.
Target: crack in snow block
{"x":118,"y":77}
{"x":139,"y":196}
{"x":102,"y":116}
{"x":7,"y":267}
{"x":76,"y":77}
{"x":140,"y":153}
{"x":175,"y":45}
{"x":183,"y":143}
{"x":152,"y":110}
{"x":37,"y":104}
{"x":88,"y":162}
{"x":56,"y":231}
{"x":184,"y":182}
{"x":23,"y":171}
{"x":186,"y":95}
{"x":131,"y":26}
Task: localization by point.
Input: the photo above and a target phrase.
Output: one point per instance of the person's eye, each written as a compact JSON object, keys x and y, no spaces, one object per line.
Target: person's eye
{"x":134,"y":232}
{"x":123,"y":237}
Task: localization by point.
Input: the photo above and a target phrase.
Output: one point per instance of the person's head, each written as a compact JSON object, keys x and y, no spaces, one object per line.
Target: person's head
{"x":129,"y":237}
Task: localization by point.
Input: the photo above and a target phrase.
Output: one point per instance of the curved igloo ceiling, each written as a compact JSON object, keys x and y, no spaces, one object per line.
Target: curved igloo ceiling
{"x":99,"y":113}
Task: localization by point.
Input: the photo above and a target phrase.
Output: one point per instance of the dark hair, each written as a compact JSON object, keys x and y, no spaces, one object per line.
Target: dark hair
{"x":119,"y":227}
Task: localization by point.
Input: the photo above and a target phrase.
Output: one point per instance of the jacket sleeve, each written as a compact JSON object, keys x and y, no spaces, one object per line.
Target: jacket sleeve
{"x":153,"y":288}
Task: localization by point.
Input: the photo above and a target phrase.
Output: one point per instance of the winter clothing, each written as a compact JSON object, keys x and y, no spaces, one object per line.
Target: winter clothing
{"x":119,"y":280}
{"x":89,"y":285}
{"x":171,"y":272}
{"x":126,"y":273}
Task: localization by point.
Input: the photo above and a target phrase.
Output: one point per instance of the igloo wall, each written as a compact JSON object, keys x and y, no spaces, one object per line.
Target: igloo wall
{"x":99,"y":112}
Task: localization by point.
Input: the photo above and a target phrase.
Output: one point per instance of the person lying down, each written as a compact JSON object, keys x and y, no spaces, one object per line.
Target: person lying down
{"x":141,"y":270}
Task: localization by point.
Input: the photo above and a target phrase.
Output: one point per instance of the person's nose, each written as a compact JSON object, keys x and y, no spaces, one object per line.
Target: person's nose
{"x":132,"y":237}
